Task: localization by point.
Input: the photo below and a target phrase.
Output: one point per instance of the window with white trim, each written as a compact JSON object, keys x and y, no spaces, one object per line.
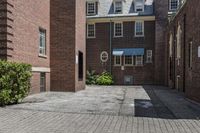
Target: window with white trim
{"x":118,"y":7}
{"x":90,"y":30}
{"x":178,"y":42}
{"x":42,"y":46}
{"x":170,"y":45}
{"x":128,"y":60}
{"x":91,"y":8}
{"x":139,"y":28}
{"x":118,"y":29}
{"x":139,"y":60}
{"x":139,"y":5}
{"x":173,"y":4}
{"x":149,"y":56}
{"x":117,"y":60}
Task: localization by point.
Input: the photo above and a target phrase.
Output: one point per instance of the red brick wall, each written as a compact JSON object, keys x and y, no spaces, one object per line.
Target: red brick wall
{"x":192,"y":32}
{"x":161,"y":13}
{"x":24,"y":18}
{"x":66,"y":40}
{"x":80,"y":40}
{"x":6,"y":21}
{"x":141,"y":75}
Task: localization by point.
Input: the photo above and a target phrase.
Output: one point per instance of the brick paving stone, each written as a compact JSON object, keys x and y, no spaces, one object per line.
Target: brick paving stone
{"x":126,"y":117}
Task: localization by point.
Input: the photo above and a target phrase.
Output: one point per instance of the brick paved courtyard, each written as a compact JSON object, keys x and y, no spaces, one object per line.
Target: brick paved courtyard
{"x":116,"y":109}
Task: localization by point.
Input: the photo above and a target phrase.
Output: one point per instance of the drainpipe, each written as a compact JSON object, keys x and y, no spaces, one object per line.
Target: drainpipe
{"x":110,"y":46}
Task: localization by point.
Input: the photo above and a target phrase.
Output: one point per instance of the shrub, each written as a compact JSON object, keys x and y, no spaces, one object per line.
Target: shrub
{"x":14,"y":82}
{"x":91,"y":77}
{"x":105,"y":79}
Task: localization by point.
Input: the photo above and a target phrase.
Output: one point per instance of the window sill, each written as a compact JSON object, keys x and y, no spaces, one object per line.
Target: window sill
{"x":91,"y":37}
{"x":117,"y":65}
{"x":42,"y":56}
{"x":139,"y":36}
{"x":118,"y":36}
{"x":129,"y":65}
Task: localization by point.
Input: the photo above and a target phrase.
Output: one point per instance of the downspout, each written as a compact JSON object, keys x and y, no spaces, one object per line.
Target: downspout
{"x":110,"y":44}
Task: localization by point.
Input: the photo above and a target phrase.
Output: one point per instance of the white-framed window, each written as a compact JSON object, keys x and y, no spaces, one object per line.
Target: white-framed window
{"x":139,"y":28}
{"x":173,"y":4}
{"x":118,"y":29}
{"x":170,"y":45}
{"x":117,"y":60}
{"x":104,"y":56}
{"x":149,"y":56}
{"x":128,"y":60}
{"x":118,"y":7}
{"x":139,"y":60}
{"x":91,"y":8}
{"x":178,"y":42}
{"x":91,"y":30}
{"x":42,"y":44}
{"x":139,"y":5}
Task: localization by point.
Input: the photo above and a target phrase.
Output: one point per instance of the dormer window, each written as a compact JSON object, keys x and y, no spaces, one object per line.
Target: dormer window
{"x":173,"y":4}
{"x":118,"y":7}
{"x":91,"y":8}
{"x":139,"y":5}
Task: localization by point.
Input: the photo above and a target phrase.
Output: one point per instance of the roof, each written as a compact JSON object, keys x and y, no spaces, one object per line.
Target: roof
{"x":106,"y":8}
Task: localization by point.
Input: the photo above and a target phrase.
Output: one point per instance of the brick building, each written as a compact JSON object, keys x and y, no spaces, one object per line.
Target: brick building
{"x":184,"y":49}
{"x":25,"y":30}
{"x":127,"y":38}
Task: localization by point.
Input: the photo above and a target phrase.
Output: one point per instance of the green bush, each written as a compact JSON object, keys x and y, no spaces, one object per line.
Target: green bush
{"x":91,"y":77}
{"x":105,"y":79}
{"x":14,"y":82}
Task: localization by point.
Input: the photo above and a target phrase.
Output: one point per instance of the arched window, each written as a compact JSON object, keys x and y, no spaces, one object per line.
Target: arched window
{"x":170,"y":45}
{"x":179,"y":42}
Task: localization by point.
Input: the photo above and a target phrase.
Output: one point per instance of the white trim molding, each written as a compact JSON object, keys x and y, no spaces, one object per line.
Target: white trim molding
{"x":122,"y":19}
{"x":41,"y":69}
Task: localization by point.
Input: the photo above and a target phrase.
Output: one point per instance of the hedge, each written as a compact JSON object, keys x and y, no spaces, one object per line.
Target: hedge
{"x":14,"y":82}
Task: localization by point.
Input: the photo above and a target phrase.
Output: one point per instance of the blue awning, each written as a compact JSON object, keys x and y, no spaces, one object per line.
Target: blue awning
{"x":128,"y":51}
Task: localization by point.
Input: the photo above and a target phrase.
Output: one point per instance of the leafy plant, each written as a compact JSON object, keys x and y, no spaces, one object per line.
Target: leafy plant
{"x":105,"y":79}
{"x":14,"y":82}
{"x":91,"y":77}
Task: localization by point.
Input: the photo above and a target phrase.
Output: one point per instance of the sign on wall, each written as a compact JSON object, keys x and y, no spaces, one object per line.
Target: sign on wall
{"x":199,"y":51}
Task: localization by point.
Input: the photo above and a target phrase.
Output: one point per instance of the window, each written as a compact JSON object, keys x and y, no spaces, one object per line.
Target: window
{"x":149,"y":56}
{"x":91,"y":8}
{"x":170,"y":45}
{"x":80,"y":66}
{"x":139,"y":60}
{"x":128,"y":60}
{"x":139,"y":28}
{"x":104,"y":56}
{"x":117,"y":60}
{"x":178,"y":42}
{"x":42,"y":82}
{"x":139,"y":5}
{"x":118,"y":7}
{"x":190,"y":55}
{"x":42,"y":46}
{"x":173,"y":4}
{"x":91,"y":31}
{"x":118,"y":29}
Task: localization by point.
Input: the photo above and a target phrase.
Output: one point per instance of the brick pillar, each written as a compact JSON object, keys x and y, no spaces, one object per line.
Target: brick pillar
{"x":6,"y":29}
{"x":67,"y":38}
